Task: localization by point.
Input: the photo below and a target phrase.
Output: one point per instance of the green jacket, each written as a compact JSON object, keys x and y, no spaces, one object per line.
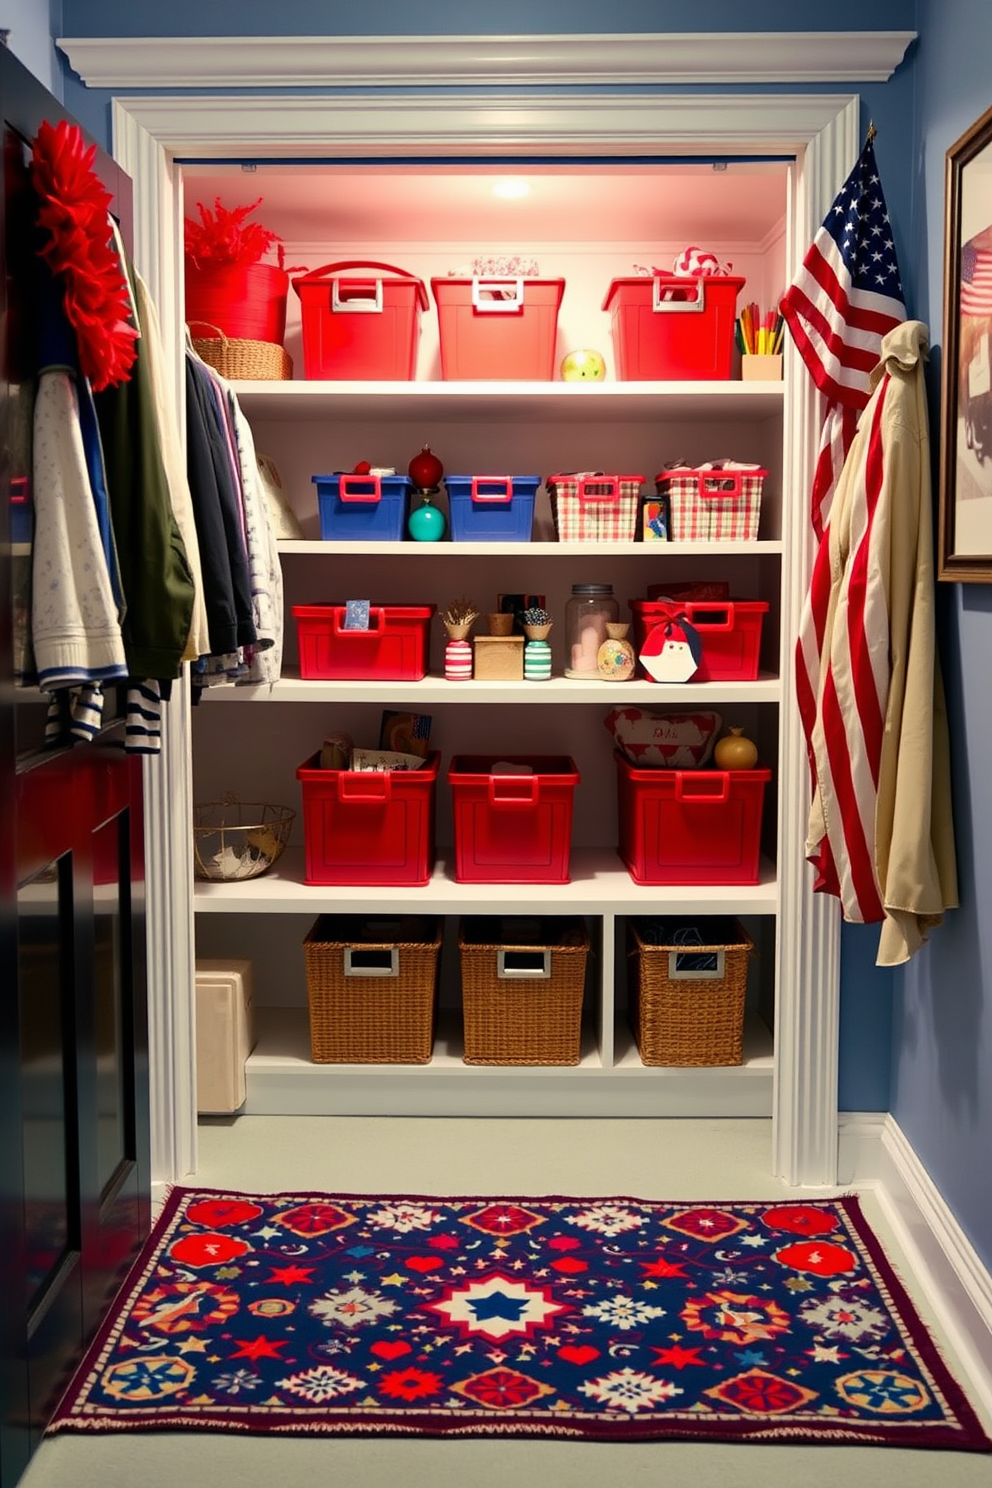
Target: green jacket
{"x":155,"y":573}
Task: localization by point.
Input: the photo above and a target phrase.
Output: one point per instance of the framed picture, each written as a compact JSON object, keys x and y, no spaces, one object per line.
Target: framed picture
{"x":965,"y":526}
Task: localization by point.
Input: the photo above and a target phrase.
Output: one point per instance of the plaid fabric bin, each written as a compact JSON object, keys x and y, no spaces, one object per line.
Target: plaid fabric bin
{"x":712,"y":505}
{"x":595,"y":507}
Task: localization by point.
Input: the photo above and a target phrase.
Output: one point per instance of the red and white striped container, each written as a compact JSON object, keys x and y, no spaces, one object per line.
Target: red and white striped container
{"x":458,"y":659}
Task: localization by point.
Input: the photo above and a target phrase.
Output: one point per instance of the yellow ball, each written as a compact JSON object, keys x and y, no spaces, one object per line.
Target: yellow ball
{"x":583,"y":366}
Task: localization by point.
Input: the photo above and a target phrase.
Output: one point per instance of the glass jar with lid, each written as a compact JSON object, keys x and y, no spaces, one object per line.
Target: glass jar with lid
{"x":591,"y":608}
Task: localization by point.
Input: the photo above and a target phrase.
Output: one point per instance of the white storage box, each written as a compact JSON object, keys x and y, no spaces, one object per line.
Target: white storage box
{"x":224,"y":1034}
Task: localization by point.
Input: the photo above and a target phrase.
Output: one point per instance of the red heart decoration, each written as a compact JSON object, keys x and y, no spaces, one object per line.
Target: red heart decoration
{"x":564,"y":1242}
{"x":581,"y":1353}
{"x":424,"y":1263}
{"x":386,"y":1350}
{"x":570,"y":1265}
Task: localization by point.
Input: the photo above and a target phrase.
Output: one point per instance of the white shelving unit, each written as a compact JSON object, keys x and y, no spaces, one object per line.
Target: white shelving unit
{"x":545,"y":427}
{"x":285,"y":722}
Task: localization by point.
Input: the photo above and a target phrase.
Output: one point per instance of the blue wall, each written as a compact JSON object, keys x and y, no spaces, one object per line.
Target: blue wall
{"x":472,"y":18}
{"x":942,"y":1046}
{"x":32,"y":25}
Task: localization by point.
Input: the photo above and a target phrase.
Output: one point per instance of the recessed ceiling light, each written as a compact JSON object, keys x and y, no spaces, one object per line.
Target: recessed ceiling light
{"x":511,"y":188}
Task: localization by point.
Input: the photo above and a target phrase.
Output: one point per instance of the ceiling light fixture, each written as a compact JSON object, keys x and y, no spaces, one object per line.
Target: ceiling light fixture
{"x":512,"y":188}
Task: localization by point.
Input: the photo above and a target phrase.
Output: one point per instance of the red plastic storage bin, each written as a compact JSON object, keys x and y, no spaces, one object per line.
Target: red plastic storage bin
{"x":512,"y":828}
{"x":393,"y":649}
{"x":368,"y":826}
{"x":243,"y":301}
{"x":360,"y":326}
{"x":667,"y":328}
{"x":729,"y":630}
{"x":690,"y":826}
{"x":494,"y":329}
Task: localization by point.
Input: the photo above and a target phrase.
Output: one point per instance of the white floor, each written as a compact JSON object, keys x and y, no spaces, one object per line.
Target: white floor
{"x":690,"y":1160}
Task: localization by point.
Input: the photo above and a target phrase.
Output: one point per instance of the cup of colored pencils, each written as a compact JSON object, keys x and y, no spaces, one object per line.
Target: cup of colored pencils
{"x":759,"y":341}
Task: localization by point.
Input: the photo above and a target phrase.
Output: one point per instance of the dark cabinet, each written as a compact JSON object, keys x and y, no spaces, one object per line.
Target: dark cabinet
{"x":74,"y":1143}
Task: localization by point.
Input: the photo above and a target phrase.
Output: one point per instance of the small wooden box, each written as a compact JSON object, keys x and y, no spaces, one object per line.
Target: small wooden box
{"x":499,"y":658}
{"x":224,"y":1034}
{"x":761,"y":368}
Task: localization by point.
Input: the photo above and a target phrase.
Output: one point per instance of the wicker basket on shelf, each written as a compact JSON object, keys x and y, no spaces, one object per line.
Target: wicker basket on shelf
{"x":234,"y":840}
{"x":372,"y":988}
{"x":687,"y":987}
{"x":522,"y":987}
{"x":241,"y":360}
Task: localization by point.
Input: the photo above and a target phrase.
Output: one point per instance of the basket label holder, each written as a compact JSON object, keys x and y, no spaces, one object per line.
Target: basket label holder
{"x":694,"y":966}
{"x":371,"y":961}
{"x":523,"y":965}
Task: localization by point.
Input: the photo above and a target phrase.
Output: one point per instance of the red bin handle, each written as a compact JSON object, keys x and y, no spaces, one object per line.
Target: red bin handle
{"x":527,"y":798}
{"x":365,"y":787}
{"x":377,"y":616}
{"x":698,"y":613}
{"x":704,"y":796}
{"x":318,"y":276}
{"x":505,"y":482}
{"x":349,"y":488}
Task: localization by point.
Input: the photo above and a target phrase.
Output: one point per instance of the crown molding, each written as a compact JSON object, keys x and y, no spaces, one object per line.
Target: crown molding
{"x":686,"y":58}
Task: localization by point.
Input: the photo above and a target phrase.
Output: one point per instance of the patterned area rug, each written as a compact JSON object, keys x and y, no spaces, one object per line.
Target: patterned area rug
{"x":603,"y":1319}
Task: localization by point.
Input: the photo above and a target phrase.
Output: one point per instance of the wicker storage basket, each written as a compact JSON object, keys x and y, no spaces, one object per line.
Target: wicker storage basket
{"x":522,"y":985}
{"x":240,"y":360}
{"x":687,"y":989}
{"x":371,"y":988}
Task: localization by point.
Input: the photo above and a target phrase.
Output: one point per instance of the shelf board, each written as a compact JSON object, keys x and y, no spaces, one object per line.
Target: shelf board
{"x":599,"y":884}
{"x":433,"y":689}
{"x":303,"y":547}
{"x":517,"y":402}
{"x":282,"y":1080}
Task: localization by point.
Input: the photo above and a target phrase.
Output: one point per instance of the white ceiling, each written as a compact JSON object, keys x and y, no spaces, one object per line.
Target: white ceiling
{"x":361,"y":203}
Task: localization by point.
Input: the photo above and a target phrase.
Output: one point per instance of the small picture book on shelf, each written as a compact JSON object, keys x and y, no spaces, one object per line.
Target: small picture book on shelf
{"x":406,"y":733}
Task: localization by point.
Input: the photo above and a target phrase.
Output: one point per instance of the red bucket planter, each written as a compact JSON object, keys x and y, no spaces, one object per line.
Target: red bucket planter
{"x":244,"y":301}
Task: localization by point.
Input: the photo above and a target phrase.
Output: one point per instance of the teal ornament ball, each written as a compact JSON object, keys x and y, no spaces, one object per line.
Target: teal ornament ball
{"x":426,"y":524}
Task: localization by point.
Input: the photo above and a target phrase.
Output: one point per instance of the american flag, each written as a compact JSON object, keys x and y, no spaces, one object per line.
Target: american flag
{"x":976,"y":278}
{"x":847,"y":295}
{"x":846,"y":298}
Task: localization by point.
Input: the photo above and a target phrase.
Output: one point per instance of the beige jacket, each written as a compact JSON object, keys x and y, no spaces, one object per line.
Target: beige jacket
{"x":913,"y":847}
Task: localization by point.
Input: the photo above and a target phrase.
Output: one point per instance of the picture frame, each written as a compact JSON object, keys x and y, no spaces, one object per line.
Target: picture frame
{"x":965,"y":500}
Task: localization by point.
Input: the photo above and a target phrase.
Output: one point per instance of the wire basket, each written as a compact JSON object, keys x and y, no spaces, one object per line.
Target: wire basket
{"x":234,"y":840}
{"x":241,"y":360}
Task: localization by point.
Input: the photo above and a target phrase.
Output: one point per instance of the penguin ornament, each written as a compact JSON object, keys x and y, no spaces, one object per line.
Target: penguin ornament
{"x":672,"y":651}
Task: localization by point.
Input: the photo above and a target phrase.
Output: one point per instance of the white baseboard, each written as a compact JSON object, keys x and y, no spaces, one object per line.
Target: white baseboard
{"x":874,"y":1154}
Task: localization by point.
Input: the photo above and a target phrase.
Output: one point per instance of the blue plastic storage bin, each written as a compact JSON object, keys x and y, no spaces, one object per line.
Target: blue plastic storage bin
{"x":491,"y":508}
{"x":363,"y":508}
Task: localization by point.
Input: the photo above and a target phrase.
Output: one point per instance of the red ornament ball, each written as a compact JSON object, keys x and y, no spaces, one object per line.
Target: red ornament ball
{"x":426,"y":470}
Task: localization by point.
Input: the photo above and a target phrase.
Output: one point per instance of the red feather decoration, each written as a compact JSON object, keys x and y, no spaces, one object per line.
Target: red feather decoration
{"x":74,"y":211}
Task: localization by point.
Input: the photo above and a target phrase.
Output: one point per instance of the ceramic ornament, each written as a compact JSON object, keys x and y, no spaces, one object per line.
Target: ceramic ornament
{"x":671,"y":652}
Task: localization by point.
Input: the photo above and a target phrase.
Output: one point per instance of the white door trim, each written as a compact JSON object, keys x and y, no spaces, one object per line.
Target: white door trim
{"x":822,"y":132}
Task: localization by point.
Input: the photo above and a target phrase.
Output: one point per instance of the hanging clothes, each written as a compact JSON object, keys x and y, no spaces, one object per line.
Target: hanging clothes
{"x":881,"y":833}
{"x":242,"y":573}
{"x":76,"y":603}
{"x":156,"y":578}
{"x":173,"y":461}
{"x":219,"y":520}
